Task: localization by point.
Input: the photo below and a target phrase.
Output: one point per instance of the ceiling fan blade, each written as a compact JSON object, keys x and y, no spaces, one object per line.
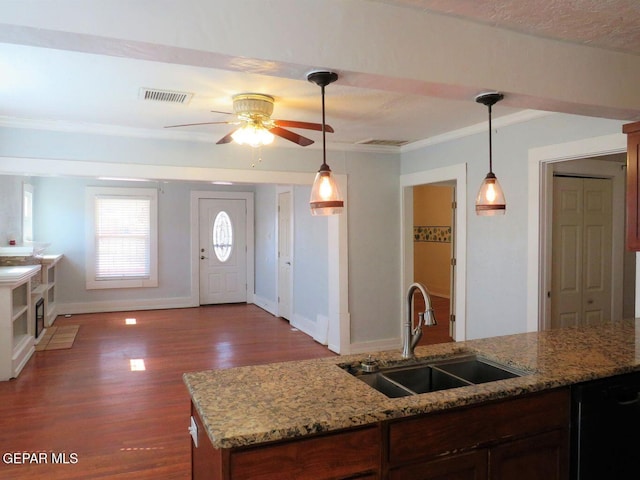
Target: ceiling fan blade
{"x":291,"y":136}
{"x":224,"y":113}
{"x":307,"y":125}
{"x":227,"y":138}
{"x":192,"y":124}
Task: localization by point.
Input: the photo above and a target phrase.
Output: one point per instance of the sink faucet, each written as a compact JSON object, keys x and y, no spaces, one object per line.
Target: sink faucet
{"x":411,"y":335}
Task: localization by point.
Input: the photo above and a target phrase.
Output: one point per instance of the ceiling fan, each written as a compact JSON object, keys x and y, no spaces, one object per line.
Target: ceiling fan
{"x":255,"y":125}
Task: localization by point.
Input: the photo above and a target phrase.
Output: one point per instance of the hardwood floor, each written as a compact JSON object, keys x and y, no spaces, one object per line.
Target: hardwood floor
{"x":111,"y":422}
{"x":440,"y":332}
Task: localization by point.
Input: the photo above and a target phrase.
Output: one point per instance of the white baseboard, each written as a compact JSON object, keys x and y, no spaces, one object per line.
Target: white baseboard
{"x":124,"y":305}
{"x":265,"y":304}
{"x":376,"y":346}
{"x":321,"y":329}
{"x":304,"y":325}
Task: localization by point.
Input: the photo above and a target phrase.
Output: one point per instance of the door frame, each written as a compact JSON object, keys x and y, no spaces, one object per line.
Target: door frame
{"x":539,"y":170}
{"x":458,"y":175}
{"x":196,"y":196}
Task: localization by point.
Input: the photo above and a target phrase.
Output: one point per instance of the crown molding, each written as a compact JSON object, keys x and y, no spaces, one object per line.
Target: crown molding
{"x":504,"y":121}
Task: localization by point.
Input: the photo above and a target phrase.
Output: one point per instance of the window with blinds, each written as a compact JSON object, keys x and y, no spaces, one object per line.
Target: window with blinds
{"x":123,"y":244}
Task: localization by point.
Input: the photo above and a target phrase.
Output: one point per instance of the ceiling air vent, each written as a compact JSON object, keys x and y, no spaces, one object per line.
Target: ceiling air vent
{"x":384,"y":143}
{"x":167,"y":96}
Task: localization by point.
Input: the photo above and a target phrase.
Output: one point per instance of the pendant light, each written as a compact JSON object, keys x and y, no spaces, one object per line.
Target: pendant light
{"x":325,"y":195}
{"x":490,"y":199}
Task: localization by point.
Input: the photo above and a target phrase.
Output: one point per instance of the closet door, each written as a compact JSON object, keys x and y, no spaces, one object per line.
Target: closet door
{"x":581,"y":251}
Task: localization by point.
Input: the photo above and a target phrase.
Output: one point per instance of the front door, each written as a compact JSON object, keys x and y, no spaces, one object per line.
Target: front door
{"x":581,"y":251}
{"x":223,"y":251}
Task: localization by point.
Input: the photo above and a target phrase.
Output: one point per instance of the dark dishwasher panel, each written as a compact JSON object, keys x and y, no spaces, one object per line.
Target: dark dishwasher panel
{"x":605,"y":429}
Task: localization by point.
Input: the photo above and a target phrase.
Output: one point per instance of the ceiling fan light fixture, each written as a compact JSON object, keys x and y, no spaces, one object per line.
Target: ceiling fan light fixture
{"x":252,"y":134}
{"x":325,"y":198}
{"x":490,"y":199}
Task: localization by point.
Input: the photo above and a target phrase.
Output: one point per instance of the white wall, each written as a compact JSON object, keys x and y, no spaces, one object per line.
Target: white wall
{"x":374,"y":251}
{"x":310,"y":268}
{"x":11,"y":208}
{"x":265,"y":245}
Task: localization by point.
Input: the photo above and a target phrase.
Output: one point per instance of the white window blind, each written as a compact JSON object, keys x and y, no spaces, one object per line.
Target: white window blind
{"x":122,"y":237}
{"x":123,"y":234}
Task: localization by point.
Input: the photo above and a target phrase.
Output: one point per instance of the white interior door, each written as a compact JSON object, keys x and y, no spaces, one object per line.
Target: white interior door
{"x":285,"y":255}
{"x":223,"y":251}
{"x":581,"y":251}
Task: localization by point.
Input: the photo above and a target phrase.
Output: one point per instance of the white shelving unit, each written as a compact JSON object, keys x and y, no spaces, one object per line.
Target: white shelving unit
{"x":48,"y":285}
{"x":16,"y":319}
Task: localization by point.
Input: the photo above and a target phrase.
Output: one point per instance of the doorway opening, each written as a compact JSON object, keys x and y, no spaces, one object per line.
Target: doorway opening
{"x":454,"y":177}
{"x":433,"y":254}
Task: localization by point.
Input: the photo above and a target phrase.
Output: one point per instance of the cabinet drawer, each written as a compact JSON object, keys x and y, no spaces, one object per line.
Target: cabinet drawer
{"x":324,"y":457}
{"x":466,"y":466}
{"x":438,"y":433}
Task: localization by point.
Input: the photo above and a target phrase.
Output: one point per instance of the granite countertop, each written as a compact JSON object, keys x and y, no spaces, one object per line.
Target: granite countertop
{"x":254,"y":404}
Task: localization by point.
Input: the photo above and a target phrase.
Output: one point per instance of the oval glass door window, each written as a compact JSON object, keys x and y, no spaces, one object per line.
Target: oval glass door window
{"x":222,"y":236}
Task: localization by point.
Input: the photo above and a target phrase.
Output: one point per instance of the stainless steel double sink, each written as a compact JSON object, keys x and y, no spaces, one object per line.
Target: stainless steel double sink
{"x":461,"y":371}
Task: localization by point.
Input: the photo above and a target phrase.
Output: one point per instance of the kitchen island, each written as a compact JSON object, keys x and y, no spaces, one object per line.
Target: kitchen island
{"x":280,"y":404}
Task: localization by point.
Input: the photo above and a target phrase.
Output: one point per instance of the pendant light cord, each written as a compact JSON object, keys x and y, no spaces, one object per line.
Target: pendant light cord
{"x":324,"y":146}
{"x":490,"y":149}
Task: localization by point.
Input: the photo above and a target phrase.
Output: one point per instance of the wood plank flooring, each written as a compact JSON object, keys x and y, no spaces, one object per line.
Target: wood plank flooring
{"x":85,"y":406}
{"x":440,"y":332}
{"x":111,"y":422}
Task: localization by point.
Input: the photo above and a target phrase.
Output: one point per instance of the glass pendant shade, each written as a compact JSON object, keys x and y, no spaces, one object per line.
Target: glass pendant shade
{"x":252,"y":134}
{"x":325,"y":194}
{"x":490,"y":199}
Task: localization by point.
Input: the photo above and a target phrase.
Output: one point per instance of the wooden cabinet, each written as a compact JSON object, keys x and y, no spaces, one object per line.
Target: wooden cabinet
{"x":525,"y":438}
{"x":16,"y":319}
{"x":351,"y":454}
{"x":633,"y":183}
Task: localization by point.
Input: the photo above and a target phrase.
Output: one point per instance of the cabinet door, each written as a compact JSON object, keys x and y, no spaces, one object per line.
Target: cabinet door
{"x":539,"y":457}
{"x":350,"y":454}
{"x":633,"y":181}
{"x":466,"y":466}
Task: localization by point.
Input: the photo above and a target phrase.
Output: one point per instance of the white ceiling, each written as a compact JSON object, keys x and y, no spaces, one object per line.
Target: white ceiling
{"x":80,"y":65}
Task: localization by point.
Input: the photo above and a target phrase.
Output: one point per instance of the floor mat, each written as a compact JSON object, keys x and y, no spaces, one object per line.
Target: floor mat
{"x":58,"y":338}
